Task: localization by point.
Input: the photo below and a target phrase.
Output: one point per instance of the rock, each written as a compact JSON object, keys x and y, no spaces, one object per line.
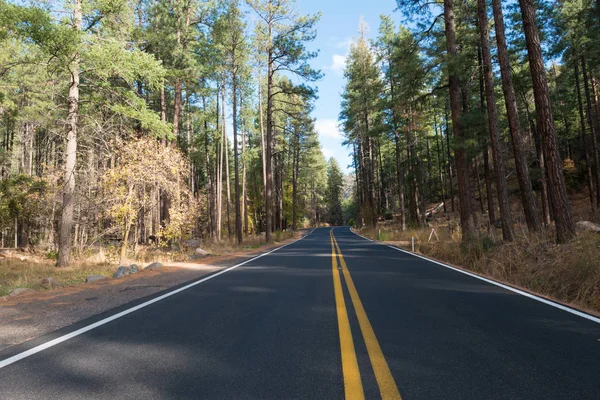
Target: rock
{"x":21,"y":290}
{"x":154,"y":265}
{"x":94,"y":278}
{"x":587,"y":226}
{"x":50,"y":283}
{"x":201,"y":252}
{"x":192,"y":243}
{"x":124,"y":271}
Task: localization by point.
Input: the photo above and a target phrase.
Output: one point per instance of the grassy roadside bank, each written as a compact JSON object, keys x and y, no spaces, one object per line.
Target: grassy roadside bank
{"x":568,"y":273}
{"x":31,"y":270}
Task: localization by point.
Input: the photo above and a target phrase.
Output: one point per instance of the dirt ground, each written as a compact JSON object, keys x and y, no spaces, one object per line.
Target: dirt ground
{"x":31,"y":315}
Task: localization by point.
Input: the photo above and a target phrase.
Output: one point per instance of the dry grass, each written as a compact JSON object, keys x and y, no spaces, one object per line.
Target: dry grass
{"x":24,"y":270}
{"x":216,"y":248}
{"x":569,"y":273}
{"x":28,"y":273}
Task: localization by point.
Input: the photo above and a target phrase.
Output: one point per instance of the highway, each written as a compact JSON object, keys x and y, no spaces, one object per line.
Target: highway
{"x":331,"y":316}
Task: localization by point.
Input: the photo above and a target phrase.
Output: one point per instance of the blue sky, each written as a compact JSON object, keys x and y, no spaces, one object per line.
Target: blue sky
{"x":335,"y":30}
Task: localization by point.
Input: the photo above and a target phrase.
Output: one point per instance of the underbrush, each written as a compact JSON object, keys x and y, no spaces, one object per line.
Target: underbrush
{"x":29,"y":273}
{"x":27,"y":270}
{"x":569,"y":273}
{"x":227,"y":245}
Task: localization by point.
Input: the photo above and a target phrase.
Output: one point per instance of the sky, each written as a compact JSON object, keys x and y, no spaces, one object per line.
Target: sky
{"x":335,"y":31}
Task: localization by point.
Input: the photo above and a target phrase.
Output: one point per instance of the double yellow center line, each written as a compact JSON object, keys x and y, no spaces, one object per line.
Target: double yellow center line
{"x":353,"y":388}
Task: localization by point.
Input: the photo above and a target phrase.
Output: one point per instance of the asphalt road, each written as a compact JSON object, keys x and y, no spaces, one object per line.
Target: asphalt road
{"x":305,"y":322}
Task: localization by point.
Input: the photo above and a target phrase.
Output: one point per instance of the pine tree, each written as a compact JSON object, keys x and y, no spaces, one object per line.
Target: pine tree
{"x":335,"y":183}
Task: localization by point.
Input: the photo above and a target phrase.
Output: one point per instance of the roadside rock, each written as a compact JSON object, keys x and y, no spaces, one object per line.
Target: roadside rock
{"x":192,"y":243}
{"x":587,"y":226}
{"x":94,"y":278}
{"x":21,"y":290}
{"x":202,"y":253}
{"x":124,"y":271}
{"x":50,"y":283}
{"x":154,"y":265}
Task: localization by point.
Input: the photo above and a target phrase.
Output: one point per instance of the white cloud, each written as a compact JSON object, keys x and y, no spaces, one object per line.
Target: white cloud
{"x":328,"y":128}
{"x":338,"y":63}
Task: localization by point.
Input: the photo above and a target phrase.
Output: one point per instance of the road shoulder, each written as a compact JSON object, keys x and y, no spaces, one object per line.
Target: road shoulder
{"x":29,"y":316}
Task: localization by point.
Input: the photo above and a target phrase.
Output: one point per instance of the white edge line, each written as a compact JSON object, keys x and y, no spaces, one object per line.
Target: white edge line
{"x":106,"y":320}
{"x":509,"y":288}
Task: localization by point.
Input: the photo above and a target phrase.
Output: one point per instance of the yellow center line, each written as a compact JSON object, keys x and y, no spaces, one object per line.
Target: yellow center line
{"x":353,"y":388}
{"x":387,"y":386}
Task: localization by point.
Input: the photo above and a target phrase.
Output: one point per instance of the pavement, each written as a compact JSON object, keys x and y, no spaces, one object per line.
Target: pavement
{"x":330,"y":316}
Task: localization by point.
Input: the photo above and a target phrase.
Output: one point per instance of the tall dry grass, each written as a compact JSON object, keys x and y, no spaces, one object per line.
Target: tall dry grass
{"x":29,"y":273}
{"x":28,"y":270}
{"x":569,"y":273}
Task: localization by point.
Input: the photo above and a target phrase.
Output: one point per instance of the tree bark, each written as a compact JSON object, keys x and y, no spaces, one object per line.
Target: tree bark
{"x":244,"y":205}
{"x":593,"y":132}
{"x":464,"y":183}
{"x":486,"y":155}
{"x":399,"y":171}
{"x":269,"y":137}
{"x":219,"y":173}
{"x":66,"y":226}
{"x":226,"y":145}
{"x":497,"y":153}
{"x":238,"y":218}
{"x":516,"y":134}
{"x":557,"y":190}
{"x":440,"y":152}
{"x":586,"y":150}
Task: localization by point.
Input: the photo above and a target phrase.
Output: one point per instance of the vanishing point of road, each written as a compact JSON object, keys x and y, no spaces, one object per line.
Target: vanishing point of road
{"x":331,"y":316}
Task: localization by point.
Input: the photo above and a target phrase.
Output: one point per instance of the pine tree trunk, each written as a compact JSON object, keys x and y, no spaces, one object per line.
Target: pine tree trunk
{"x":269,"y":141}
{"x":238,"y":217}
{"x":219,"y":173}
{"x":586,"y":150}
{"x":226,"y":145}
{"x":399,"y":171}
{"x":559,"y":201}
{"x":209,"y":181}
{"x":177,"y":106}
{"x":262,"y":138}
{"x":450,"y":169}
{"x":593,"y":132}
{"x":486,"y":156}
{"x":464,"y":183}
{"x":497,"y":153}
{"x":440,"y":152}
{"x":66,"y":226}
{"x":546,"y":219}
{"x":478,"y":175}
{"x":244,"y":204}
{"x":295,"y":172}
{"x":400,"y":180}
{"x":516,"y":134}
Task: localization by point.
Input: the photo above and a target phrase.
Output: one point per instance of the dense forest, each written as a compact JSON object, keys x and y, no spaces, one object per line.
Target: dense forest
{"x":484,"y":108}
{"x":155,"y":121}
{"x":151,"y":121}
